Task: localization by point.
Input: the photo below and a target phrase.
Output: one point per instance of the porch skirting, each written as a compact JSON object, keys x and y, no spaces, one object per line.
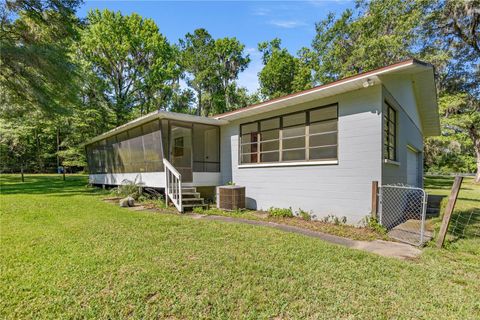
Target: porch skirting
{"x":154,"y":179}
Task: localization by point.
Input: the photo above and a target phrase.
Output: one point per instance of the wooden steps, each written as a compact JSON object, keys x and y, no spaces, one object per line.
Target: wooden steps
{"x":192,"y":199}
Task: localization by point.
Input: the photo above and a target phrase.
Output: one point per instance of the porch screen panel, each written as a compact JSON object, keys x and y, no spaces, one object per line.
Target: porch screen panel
{"x":135,"y":141}
{"x":153,"y":148}
{"x":206,"y":148}
{"x":136,"y":150}
{"x":111,"y":159}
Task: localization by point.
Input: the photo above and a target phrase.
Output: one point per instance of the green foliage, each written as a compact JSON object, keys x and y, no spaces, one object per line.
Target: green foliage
{"x":380,"y":32}
{"x":280,"y":212}
{"x":134,"y":60}
{"x":307,"y":216}
{"x":211,"y":68}
{"x":454,"y":151}
{"x":372,"y":223}
{"x":198,"y":210}
{"x":333,"y":219}
{"x":375,"y":34}
{"x":36,"y":72}
{"x":282,"y":73}
{"x":128,"y":189}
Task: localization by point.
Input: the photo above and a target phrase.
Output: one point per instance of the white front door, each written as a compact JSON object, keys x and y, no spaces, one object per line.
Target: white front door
{"x":412,"y":168}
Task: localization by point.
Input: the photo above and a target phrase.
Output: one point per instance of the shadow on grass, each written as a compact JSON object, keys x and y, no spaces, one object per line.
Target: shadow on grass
{"x":438,"y":182}
{"x":46,"y":185}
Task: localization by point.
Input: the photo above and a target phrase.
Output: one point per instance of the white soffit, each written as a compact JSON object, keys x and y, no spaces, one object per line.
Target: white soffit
{"x":426,"y":95}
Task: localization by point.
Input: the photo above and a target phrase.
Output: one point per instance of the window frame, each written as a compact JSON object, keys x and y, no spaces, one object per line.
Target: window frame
{"x":281,"y":139}
{"x":389,"y":139}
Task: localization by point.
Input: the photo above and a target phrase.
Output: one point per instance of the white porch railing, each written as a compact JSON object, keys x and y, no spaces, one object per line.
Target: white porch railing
{"x":173,"y":185}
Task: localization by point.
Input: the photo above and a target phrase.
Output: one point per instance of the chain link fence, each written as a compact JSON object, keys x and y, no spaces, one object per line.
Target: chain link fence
{"x":402,"y":211}
{"x":466,"y":225}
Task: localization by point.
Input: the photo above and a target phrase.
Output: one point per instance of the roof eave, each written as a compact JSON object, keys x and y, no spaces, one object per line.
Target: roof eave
{"x":159,"y":114}
{"x":236,"y":114}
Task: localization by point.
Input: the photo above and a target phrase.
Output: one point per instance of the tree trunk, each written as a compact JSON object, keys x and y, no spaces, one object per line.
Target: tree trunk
{"x":58,"y":148}
{"x":21,"y":170}
{"x":199,"y":107}
{"x":476,"y":144}
{"x":475,"y":136}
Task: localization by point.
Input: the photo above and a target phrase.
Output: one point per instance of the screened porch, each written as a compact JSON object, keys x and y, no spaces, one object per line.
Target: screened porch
{"x":136,"y":151}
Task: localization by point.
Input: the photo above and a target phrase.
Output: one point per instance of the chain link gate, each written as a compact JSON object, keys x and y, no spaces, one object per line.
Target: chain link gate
{"x":402,"y":211}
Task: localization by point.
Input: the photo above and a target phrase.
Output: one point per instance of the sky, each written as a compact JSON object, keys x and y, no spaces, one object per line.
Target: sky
{"x":249,"y":21}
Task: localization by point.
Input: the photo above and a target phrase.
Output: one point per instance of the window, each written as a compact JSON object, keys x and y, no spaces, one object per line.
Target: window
{"x":390,"y":133}
{"x":178,"y":147}
{"x":309,"y":135}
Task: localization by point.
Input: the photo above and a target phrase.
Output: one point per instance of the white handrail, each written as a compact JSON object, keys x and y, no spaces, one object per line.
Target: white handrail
{"x":173,"y":185}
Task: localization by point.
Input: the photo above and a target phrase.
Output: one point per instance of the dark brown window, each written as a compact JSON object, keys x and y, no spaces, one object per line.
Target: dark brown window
{"x":309,"y":135}
{"x":390,"y":133}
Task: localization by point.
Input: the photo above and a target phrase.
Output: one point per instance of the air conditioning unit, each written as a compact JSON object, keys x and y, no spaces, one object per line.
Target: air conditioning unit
{"x":230,"y":197}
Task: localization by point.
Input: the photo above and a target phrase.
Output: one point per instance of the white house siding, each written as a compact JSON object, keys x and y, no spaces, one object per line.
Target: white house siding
{"x":409,"y":135}
{"x":401,"y":87}
{"x":343,"y":189}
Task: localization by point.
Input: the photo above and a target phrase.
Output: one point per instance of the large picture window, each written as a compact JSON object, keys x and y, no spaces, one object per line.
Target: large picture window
{"x":390,"y":133}
{"x":309,"y":135}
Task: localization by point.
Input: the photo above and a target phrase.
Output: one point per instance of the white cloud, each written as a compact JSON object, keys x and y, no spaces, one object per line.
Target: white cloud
{"x":260,"y":11}
{"x":287,"y":24}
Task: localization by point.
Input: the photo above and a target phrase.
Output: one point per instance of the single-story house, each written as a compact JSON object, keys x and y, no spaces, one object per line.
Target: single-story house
{"x":317,"y":150}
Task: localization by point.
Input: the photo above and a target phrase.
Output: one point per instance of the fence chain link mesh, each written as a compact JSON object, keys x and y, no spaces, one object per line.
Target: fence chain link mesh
{"x":402,"y":213}
{"x":466,"y":225}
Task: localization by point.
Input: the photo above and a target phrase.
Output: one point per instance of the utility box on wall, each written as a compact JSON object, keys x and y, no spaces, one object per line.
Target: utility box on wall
{"x":230,"y":197}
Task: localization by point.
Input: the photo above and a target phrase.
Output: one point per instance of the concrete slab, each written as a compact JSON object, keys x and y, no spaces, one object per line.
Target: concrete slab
{"x":409,"y":232}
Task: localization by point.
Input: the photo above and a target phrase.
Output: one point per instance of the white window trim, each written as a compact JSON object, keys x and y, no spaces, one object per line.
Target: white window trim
{"x":288,"y":164}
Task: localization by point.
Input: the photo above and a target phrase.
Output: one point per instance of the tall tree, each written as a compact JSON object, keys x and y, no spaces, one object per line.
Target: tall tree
{"x":381,"y":32}
{"x":131,"y":57}
{"x":36,"y":71}
{"x":197,"y":60}
{"x":453,"y":29}
{"x":231,"y":60}
{"x":376,"y":33}
{"x":282,"y":72}
{"x":211,"y":68}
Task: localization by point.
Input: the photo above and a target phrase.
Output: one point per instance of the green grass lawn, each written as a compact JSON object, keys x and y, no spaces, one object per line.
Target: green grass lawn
{"x":66,"y":254}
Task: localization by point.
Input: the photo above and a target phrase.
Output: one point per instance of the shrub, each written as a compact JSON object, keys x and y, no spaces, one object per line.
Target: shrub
{"x":307,"y":216}
{"x":280,"y":212}
{"x":198,"y":210}
{"x":333,"y":219}
{"x":127,"y":188}
{"x":372,"y":223}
